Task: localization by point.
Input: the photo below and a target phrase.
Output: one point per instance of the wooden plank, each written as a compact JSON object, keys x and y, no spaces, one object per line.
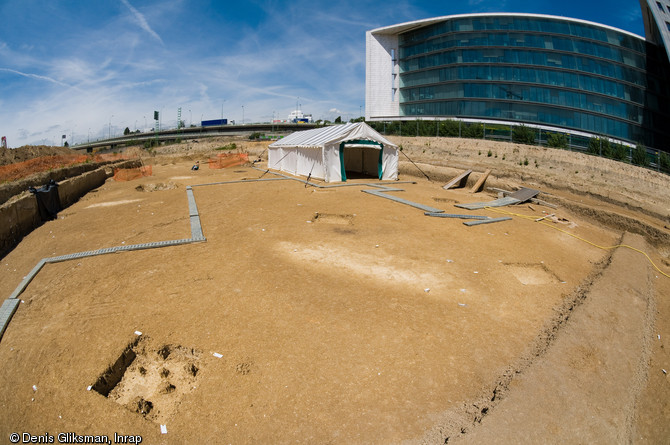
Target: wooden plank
{"x":480,"y":183}
{"x":461,"y":179}
{"x":545,"y":216}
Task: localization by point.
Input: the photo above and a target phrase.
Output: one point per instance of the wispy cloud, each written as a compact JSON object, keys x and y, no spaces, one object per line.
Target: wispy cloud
{"x":107,"y":58}
{"x":142,"y":21}
{"x":34,"y":76}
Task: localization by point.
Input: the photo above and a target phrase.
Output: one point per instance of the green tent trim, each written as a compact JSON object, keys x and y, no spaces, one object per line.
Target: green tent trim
{"x":361,"y":142}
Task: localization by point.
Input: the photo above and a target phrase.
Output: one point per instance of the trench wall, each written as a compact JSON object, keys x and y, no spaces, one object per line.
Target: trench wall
{"x":19,"y":215}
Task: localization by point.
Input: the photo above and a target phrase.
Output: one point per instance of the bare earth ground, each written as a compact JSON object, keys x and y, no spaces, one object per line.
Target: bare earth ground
{"x":369,"y":324}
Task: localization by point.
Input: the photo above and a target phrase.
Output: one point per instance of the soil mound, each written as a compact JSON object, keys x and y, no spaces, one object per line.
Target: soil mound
{"x":13,"y":155}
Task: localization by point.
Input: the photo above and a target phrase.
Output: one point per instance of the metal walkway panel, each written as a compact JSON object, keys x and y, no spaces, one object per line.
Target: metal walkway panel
{"x":6,"y":312}
{"x":27,"y":279}
{"x":192,"y":207}
{"x":453,"y":215}
{"x":239,"y":181}
{"x":386,"y":188}
{"x":383,"y":194}
{"x":524,"y":194}
{"x":486,"y":221}
{"x":500,"y":202}
{"x":196,"y":227}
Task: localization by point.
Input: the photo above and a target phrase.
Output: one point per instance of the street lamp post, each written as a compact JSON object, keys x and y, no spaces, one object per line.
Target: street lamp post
{"x":242,"y":114}
{"x":110,"y":127}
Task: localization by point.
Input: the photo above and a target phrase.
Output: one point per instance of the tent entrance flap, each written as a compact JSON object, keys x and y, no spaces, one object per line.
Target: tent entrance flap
{"x":361,"y":158}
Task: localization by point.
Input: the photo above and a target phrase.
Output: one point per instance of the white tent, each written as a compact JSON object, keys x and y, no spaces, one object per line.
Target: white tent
{"x":328,"y":153}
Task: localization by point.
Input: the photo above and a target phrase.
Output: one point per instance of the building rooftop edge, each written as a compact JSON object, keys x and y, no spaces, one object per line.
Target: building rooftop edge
{"x":402,"y":27}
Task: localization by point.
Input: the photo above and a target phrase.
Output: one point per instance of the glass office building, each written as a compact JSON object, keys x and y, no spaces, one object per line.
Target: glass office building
{"x":545,"y":71}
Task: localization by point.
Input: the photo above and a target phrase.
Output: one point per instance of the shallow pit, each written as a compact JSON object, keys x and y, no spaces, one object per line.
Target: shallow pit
{"x":150,"y":379}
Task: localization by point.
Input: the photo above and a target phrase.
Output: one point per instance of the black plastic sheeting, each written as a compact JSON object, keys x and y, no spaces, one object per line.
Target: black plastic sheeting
{"x":48,"y":201}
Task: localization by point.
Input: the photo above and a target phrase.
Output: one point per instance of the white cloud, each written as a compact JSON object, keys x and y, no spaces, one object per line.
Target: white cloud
{"x":34,"y":76}
{"x":142,"y":21}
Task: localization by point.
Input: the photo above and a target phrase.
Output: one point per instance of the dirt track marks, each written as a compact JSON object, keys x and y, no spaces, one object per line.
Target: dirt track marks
{"x":606,"y":326}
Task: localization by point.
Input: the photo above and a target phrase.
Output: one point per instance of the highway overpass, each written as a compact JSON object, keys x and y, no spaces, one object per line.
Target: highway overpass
{"x":192,"y":133}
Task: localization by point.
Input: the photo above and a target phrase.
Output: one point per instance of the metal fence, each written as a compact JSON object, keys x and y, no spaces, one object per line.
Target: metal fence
{"x":639,"y":155}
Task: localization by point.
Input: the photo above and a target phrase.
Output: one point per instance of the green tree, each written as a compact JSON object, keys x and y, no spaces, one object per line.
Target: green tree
{"x":557,"y":140}
{"x":449,"y":128}
{"x":126,"y":132}
{"x":392,"y":128}
{"x":606,"y":149}
{"x":523,"y":135}
{"x":473,"y":131}
{"x":640,"y":156}
{"x":338,"y":120}
{"x":664,"y":161}
{"x":407,"y":128}
{"x":619,"y":152}
{"x":600,"y":147}
{"x":594,"y":146}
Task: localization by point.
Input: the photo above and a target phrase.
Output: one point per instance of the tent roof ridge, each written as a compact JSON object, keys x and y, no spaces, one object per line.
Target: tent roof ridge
{"x":319,"y":137}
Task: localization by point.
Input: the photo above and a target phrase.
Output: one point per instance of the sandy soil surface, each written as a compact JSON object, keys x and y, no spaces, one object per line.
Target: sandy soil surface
{"x":319,"y":315}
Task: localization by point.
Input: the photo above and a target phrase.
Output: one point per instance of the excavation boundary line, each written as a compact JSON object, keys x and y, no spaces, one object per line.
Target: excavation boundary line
{"x":10,"y":305}
{"x":544,"y":223}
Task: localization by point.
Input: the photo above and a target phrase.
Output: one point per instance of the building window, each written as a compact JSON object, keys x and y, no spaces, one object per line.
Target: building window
{"x":660,"y":6}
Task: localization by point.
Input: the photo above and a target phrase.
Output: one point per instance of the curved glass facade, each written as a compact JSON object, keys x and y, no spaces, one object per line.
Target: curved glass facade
{"x":534,"y":69}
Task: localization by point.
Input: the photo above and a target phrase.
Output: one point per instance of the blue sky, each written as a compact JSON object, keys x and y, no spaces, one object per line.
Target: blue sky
{"x":88,"y":68}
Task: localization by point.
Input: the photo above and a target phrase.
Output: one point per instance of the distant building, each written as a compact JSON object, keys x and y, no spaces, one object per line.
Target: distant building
{"x":298,"y":116}
{"x":545,"y":71}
